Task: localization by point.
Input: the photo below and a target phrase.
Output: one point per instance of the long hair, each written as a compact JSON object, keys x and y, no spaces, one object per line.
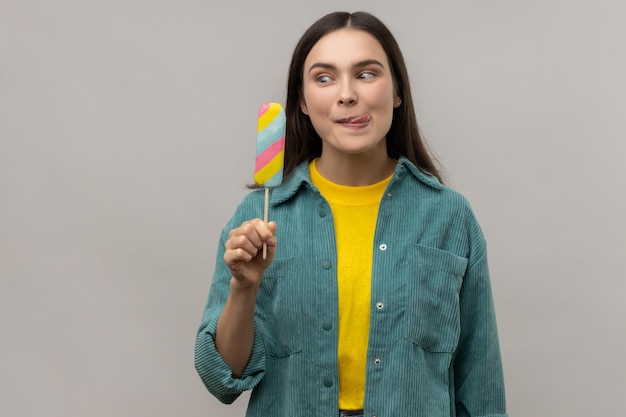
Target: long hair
{"x":403,"y":139}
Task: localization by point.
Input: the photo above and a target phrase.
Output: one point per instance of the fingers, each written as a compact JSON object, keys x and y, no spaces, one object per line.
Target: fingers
{"x":245,"y":242}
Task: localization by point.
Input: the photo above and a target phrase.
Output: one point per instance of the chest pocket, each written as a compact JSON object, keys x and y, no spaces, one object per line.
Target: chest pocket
{"x":279,"y":308}
{"x":433,"y":306}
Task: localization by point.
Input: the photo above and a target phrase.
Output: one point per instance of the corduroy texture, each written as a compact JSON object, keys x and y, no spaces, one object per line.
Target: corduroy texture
{"x":354,"y":211}
{"x":433,"y":345}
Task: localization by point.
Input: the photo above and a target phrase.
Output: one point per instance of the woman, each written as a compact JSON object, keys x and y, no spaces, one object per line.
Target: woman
{"x":374,"y":298}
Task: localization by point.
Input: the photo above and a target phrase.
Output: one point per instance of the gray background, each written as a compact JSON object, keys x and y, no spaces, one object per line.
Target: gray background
{"x":127,"y":134}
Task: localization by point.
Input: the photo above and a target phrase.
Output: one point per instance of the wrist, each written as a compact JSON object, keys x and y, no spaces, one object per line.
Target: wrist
{"x":243,"y":288}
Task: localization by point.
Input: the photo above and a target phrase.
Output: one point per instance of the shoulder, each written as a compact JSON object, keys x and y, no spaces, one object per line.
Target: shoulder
{"x":250,"y":206}
{"x":441,"y":206}
{"x":428,"y":189}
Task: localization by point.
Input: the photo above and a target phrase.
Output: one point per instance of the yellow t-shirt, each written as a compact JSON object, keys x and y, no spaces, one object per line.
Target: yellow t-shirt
{"x":355,"y":210}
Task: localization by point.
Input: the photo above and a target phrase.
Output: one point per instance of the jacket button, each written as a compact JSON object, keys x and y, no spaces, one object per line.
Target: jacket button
{"x":322,"y":212}
{"x":327,"y":325}
{"x":328,"y":382}
{"x":327,"y":264}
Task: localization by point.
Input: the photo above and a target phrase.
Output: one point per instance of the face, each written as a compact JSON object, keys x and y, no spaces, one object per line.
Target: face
{"x":348,"y":92}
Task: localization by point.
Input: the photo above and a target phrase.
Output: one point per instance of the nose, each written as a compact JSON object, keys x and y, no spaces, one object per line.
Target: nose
{"x":350,"y":101}
{"x":347,"y":95}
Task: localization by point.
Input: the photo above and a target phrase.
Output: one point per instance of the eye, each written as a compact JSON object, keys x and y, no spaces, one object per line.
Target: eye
{"x":323,"y":79}
{"x":366,"y":75}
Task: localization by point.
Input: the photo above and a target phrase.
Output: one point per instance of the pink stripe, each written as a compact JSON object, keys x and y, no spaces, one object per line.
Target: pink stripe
{"x":263,"y":109}
{"x":269,"y":153}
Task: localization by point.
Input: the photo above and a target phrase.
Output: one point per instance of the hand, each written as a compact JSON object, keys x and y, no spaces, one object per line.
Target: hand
{"x":244,"y":251}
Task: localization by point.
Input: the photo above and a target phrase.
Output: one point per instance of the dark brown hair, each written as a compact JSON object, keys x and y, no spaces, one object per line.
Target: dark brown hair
{"x":403,"y":139}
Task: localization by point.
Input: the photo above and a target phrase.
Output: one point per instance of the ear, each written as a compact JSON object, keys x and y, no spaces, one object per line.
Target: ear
{"x":397,"y":101}
{"x":303,"y":106}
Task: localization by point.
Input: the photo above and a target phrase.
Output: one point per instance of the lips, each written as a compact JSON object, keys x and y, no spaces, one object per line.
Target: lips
{"x":355,"y":120}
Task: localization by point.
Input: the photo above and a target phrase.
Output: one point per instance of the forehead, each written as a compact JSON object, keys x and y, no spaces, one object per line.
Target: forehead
{"x":346,"y":45}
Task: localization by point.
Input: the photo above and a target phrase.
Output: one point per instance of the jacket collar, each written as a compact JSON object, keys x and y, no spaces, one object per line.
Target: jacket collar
{"x":300,"y":177}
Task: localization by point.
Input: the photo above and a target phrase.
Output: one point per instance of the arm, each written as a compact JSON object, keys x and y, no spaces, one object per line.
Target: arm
{"x":235,"y":327}
{"x":478,"y":376}
{"x":229,"y":355}
{"x":243,"y":256}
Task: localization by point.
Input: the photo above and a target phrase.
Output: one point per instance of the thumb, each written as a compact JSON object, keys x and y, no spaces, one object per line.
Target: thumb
{"x":271,"y":243}
{"x":272,"y":226}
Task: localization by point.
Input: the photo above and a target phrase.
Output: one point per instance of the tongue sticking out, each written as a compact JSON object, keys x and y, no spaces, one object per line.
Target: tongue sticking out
{"x":361,"y":119}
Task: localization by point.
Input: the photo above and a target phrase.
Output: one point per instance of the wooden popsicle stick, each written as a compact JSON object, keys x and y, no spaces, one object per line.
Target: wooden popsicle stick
{"x":265,"y":217}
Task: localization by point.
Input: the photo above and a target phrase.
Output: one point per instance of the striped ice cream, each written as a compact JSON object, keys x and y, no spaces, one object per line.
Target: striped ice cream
{"x":270,"y":145}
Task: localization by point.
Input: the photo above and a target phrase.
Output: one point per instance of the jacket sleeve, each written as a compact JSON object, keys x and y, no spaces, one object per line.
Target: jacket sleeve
{"x":214,"y":372}
{"x":478,"y":376}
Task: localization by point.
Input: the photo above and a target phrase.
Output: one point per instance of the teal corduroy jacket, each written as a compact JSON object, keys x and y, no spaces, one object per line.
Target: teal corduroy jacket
{"x":433,"y":346}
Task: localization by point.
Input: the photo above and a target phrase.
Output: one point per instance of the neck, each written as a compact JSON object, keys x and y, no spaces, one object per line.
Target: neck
{"x":355,"y":170}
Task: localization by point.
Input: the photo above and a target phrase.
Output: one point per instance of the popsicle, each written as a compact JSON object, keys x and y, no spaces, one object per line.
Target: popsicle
{"x":270,"y":152}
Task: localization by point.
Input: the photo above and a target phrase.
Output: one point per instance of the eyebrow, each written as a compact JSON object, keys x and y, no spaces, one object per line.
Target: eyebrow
{"x":359,"y":64}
